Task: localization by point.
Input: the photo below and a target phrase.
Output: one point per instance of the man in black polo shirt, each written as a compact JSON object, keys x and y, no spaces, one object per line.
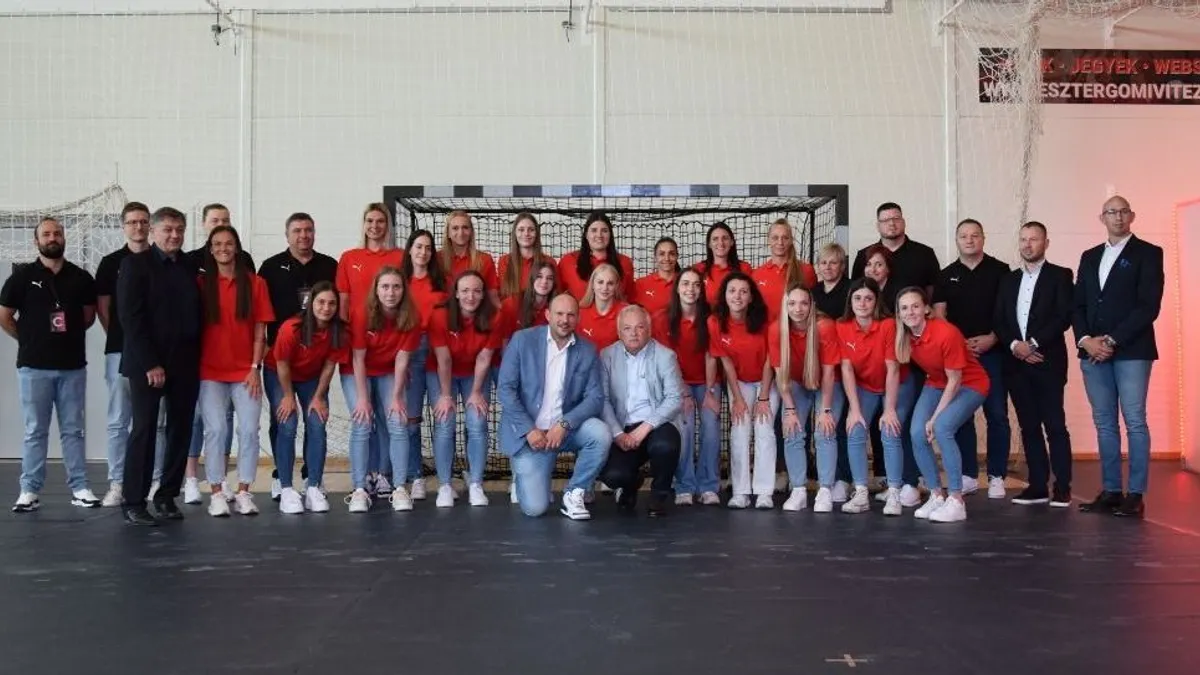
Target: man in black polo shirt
{"x":158,"y":302}
{"x":966,"y":296}
{"x":289,"y":276}
{"x":48,"y":305}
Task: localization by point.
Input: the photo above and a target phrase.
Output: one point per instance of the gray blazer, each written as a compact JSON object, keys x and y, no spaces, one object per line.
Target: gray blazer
{"x":665,"y":380}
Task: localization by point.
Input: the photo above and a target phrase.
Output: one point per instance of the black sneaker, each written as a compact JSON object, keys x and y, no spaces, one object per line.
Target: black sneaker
{"x":1061,"y":498}
{"x":1031,"y":495}
{"x":1105,"y":502}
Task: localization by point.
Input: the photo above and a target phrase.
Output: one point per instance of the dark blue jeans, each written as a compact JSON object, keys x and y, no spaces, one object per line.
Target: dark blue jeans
{"x":995,"y":412}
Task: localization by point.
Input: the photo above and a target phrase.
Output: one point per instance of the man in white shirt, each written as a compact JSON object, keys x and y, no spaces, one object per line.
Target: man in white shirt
{"x":643,"y":395}
{"x":552,"y":397}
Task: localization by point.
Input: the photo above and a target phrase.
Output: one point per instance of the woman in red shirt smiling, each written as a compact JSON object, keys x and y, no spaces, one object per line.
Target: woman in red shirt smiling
{"x":382,"y":339}
{"x":783,"y":269}
{"x":720,"y":258}
{"x":576,"y":268}
{"x":237,"y":309}
{"x":463,"y":338}
{"x":300,"y":366}
{"x":459,"y":255}
{"x":599,"y":307}
{"x":527,"y":308}
{"x":738,"y":337}
{"x":955,"y":387}
{"x":653,"y":291}
{"x":525,"y":245}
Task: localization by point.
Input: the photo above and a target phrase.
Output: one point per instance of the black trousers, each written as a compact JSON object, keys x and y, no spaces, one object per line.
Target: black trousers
{"x":661,"y":448}
{"x":1037,"y":397}
{"x":180,"y":393}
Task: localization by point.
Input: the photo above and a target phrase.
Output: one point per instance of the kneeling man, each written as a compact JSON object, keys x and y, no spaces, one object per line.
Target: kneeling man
{"x":552,"y":397}
{"x":643,"y":394}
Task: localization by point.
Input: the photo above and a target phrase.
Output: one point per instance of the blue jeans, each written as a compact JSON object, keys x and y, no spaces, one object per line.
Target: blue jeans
{"x":995,"y":412}
{"x":532,"y":469}
{"x":893,"y":448}
{"x":384,"y":429}
{"x":198,"y":433}
{"x":962,"y":406}
{"x":42,"y":392}
{"x":1120,"y":384}
{"x":696,"y":475}
{"x":444,"y":430}
{"x":215,"y":399}
{"x":795,"y":447}
{"x":414,"y":401}
{"x":283,"y":444}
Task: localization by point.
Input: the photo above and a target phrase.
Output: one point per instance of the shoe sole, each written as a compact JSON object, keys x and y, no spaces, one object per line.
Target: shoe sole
{"x":85,"y":504}
{"x":1030,"y":502}
{"x":577,"y":516}
{"x":26,"y":509}
{"x":1059,"y":505}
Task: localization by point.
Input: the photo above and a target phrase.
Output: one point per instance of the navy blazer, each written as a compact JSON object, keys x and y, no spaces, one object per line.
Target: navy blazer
{"x":521,"y":380}
{"x":1049,"y":318}
{"x":1128,"y":305}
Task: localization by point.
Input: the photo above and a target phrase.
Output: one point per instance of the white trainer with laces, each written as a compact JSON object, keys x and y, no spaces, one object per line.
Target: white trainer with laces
{"x":930,"y":507}
{"x":573,"y":505}
{"x":84,"y":499}
{"x":860,"y":502}
{"x":840,"y":491}
{"x":764,"y":503}
{"x":710,"y":499}
{"x":290,"y":501}
{"x":476,"y":494}
{"x":358,"y":501}
{"x":316,"y":501}
{"x":798,"y":501}
{"x":823,"y":503}
{"x":683,"y":499}
{"x":245,"y":503}
{"x":383,"y":487}
{"x":445,"y":497}
{"x":892,"y":506}
{"x":218,"y":507}
{"x":738,"y":502}
{"x":191,"y":491}
{"x":953,"y":511}
{"x":400,"y":500}
{"x":26,"y":502}
{"x":114,"y":496}
{"x":418,"y":491}
{"x":910,"y":497}
{"x":996,"y":490}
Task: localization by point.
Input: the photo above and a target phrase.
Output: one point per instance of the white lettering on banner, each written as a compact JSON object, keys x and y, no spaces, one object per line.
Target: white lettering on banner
{"x":1097,"y":90}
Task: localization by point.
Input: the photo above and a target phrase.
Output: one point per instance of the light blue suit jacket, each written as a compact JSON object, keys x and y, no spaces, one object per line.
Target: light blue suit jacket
{"x":522,"y":379}
{"x":662,"y":378}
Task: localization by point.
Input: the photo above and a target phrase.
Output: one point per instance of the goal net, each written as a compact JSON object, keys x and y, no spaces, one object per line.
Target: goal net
{"x":91,"y":225}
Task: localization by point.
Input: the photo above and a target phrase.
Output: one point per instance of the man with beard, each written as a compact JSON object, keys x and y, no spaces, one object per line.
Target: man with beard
{"x":48,"y":305}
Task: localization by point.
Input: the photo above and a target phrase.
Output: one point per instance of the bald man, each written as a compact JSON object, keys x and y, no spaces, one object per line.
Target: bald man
{"x":1118,"y":295}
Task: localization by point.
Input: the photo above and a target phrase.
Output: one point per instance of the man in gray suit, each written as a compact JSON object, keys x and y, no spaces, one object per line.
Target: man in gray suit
{"x":643,"y":394}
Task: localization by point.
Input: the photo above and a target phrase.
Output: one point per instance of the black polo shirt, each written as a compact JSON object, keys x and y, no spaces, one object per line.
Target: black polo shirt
{"x":288,"y":281}
{"x":970,"y":294}
{"x":196,"y":258}
{"x":50,"y":330}
{"x":106,"y":284}
{"x":913,"y":264}
{"x":832,"y":303}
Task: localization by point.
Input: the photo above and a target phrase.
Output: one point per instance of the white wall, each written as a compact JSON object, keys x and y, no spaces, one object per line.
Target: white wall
{"x":318,"y":111}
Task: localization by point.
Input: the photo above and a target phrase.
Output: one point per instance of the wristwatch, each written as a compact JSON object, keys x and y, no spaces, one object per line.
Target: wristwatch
{"x":827,"y":411}
{"x":564,"y":424}
{"x":1109,"y":342}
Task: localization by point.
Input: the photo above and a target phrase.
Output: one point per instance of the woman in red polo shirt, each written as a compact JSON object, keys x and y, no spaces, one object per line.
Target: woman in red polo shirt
{"x":738,"y":338}
{"x":527,"y":308}
{"x":463,"y":338}
{"x":872,"y":377}
{"x":683,"y":328}
{"x":653,"y":291}
{"x":804,"y":354}
{"x":720,"y":257}
{"x":356,"y":273}
{"x":955,"y":387}
{"x":575,"y":269}
{"x":237,"y":309}
{"x":783,"y":269}
{"x":459,"y":255}
{"x":300,"y":367}
{"x":525,"y":245}
{"x":382,"y":340}
{"x":422,"y":272}
{"x":599,"y":307}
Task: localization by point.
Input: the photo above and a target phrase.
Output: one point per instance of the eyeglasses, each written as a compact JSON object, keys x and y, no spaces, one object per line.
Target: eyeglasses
{"x":1114,"y":212}
{"x":143,"y":221}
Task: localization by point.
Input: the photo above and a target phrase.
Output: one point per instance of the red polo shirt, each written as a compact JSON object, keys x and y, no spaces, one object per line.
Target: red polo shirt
{"x":227,"y":347}
{"x":712,"y":284}
{"x":748,"y":350}
{"x":772,"y":282}
{"x":691,"y":357}
{"x":599,"y":329}
{"x":306,"y":361}
{"x":464,"y":344}
{"x":868,"y":351}
{"x":942,"y":347}
{"x":381,"y":345}
{"x":510,"y":310}
{"x":827,"y":348}
{"x":569,"y":281}
{"x":462,"y":263}
{"x":425,"y":299}
{"x":653,"y":292}
{"x":356,"y":272}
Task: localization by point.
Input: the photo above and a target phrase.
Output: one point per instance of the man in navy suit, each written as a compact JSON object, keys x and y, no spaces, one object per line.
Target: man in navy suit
{"x":552,"y":396}
{"x":1118,"y":294}
{"x":1033,"y":313}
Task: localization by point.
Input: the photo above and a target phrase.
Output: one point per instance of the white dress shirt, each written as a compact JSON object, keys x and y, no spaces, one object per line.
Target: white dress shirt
{"x":1111,"y":253}
{"x":637,"y":398}
{"x":1029,"y":281}
{"x":556,"y":376}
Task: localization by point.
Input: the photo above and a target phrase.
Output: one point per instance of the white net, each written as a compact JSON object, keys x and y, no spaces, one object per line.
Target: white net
{"x":92,"y":226}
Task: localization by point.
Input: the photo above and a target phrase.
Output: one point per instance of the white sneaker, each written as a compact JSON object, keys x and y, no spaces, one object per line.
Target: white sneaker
{"x":113,"y":497}
{"x":290,"y":501}
{"x":153,"y":489}
{"x":798,"y":501}
{"x":710,"y":499}
{"x":996,"y":490}
{"x":276,"y":490}
{"x":764,"y":503}
{"x":217,"y":506}
{"x":476,"y":495}
{"x":316,"y":501}
{"x":84,"y":499}
{"x":245,"y":503}
{"x":953,"y":511}
{"x":358,"y":501}
{"x":512,"y":493}
{"x":824,"y":501}
{"x":910,"y":497}
{"x":892,"y":507}
{"x":738,"y":502}
{"x":445,"y":498}
{"x":383,"y":487}
{"x":930,"y":507}
{"x":400,"y":499}
{"x":26,"y":502}
{"x":970,"y":485}
{"x":230,"y":494}
{"x":573,"y":505}
{"x":683,"y":499}
{"x":882,"y":495}
{"x":860,"y":502}
{"x":840,"y":491}
{"x":191,"y":491}
{"x":417,"y":493}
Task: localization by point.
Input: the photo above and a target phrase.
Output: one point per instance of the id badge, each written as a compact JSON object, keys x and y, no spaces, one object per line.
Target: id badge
{"x":58,"y":321}
{"x":302,"y":295}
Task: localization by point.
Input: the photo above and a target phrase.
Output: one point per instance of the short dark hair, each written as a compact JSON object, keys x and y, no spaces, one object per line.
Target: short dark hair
{"x":297,"y":217}
{"x":211,"y":207}
{"x":967,"y":221}
{"x":132,"y":207}
{"x":1036,"y":224}
{"x":168,"y":213}
{"x":888,"y":206}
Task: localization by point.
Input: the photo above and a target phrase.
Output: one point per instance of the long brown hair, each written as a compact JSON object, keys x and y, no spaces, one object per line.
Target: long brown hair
{"x":812,"y":363}
{"x":407,"y":316}
{"x":756,"y":311}
{"x":510,"y":283}
{"x":482,"y":320}
{"x":527,"y":308}
{"x":242,"y":275}
{"x":308,"y":320}
{"x":675,"y":313}
{"x":433,"y":271}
